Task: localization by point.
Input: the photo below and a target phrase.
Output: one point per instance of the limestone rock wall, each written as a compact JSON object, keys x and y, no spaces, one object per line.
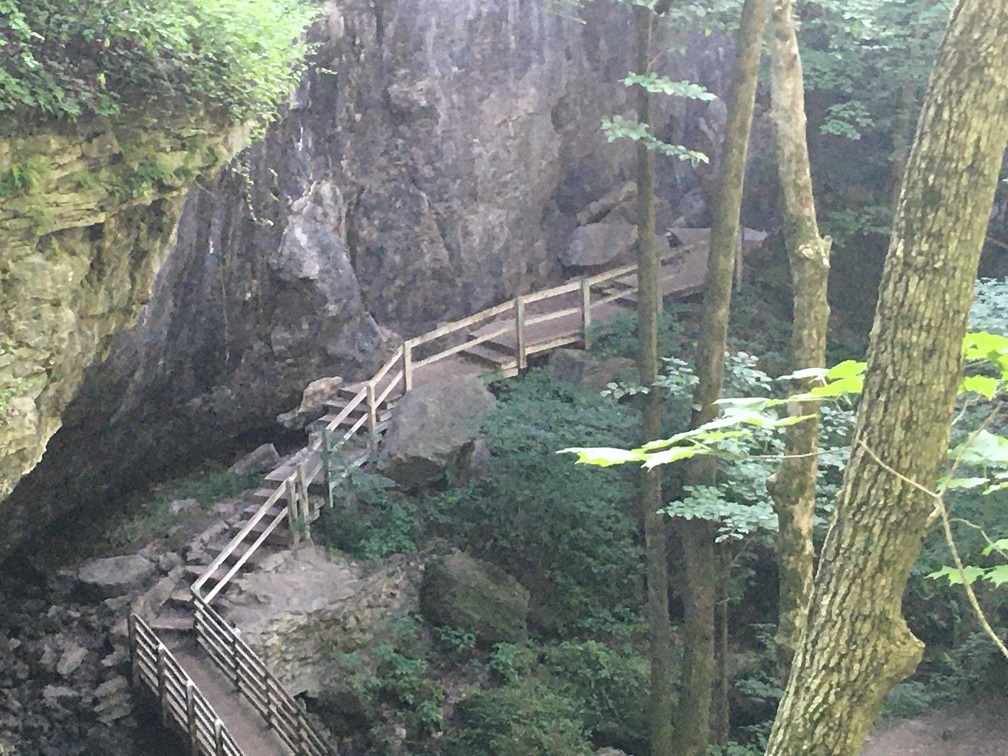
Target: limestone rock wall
{"x":87,"y":217}
{"x":432,"y":163}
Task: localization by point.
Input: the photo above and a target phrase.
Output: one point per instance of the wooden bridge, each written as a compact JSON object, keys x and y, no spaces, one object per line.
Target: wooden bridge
{"x":210,"y":685}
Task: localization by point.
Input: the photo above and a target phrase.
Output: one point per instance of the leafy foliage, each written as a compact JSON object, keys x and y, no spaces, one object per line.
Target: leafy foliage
{"x":569,"y":537}
{"x":238,"y":58}
{"x":377,"y":521}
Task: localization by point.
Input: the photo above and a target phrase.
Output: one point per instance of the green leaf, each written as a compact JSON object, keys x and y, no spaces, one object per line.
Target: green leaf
{"x":962,"y":483}
{"x":604,"y":456}
{"x":999,"y":545}
{"x":954,"y":577}
{"x":656,"y":84}
{"x":984,"y":385}
{"x":983,"y":448}
{"x":997,"y":575}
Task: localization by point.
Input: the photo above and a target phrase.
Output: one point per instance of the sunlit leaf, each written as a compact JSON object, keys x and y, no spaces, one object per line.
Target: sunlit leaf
{"x":954,"y":577}
{"x":604,"y":456}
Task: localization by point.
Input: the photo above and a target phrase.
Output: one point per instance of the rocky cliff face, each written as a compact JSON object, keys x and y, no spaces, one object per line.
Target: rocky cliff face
{"x":86,"y":219}
{"x":431,"y":164}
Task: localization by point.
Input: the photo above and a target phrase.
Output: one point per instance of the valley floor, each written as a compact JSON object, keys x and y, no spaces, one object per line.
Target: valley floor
{"x":974,"y":728}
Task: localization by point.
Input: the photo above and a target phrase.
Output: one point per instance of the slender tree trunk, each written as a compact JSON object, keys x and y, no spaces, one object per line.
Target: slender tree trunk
{"x":856,"y":645}
{"x":720,"y":706}
{"x":648,"y":302}
{"x":697,"y":536}
{"x":793,"y":486}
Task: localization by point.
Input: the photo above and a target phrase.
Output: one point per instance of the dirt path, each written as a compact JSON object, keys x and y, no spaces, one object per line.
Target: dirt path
{"x":976,"y":728}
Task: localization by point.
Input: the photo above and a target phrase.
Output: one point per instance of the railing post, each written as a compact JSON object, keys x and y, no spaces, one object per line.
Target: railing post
{"x":134,"y":661}
{"x":586,"y":309}
{"x":304,"y":501}
{"x":372,"y":410}
{"x":520,"y":331}
{"x":327,"y":464}
{"x":292,"y":512}
{"x":190,"y":707}
{"x":233,"y":636}
{"x":407,"y":366}
{"x":266,"y":694}
{"x":162,"y":682}
{"x":218,"y":729}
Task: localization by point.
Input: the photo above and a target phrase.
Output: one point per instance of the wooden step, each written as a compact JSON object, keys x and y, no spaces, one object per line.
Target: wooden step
{"x":174,"y":621}
{"x":283,"y":471}
{"x":492,"y":357}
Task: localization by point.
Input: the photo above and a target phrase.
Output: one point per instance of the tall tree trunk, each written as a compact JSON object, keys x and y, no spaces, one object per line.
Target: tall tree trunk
{"x":648,"y":302}
{"x":856,"y":645}
{"x":793,"y":485}
{"x":697,"y":536}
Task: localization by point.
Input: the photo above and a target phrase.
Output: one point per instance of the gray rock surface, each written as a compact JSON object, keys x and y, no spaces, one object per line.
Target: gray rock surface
{"x":311,"y":606}
{"x":462,"y":592}
{"x":433,"y":430}
{"x":313,"y":403}
{"x":114,"y":576}
{"x":598,"y":245}
{"x":432,"y":164}
{"x":262,"y":459}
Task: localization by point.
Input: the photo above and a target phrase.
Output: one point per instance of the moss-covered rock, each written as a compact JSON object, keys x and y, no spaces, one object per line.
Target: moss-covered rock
{"x":461,"y":592}
{"x":87,"y":215}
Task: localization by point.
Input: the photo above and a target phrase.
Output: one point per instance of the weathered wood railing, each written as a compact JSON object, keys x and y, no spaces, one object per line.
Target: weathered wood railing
{"x":253,"y":680}
{"x":182,"y":703}
{"x":230,"y":653}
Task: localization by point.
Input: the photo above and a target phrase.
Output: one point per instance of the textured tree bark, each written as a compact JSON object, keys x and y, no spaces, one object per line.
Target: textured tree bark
{"x":856,"y":645}
{"x":697,"y":536}
{"x":648,"y":302}
{"x":793,"y":485}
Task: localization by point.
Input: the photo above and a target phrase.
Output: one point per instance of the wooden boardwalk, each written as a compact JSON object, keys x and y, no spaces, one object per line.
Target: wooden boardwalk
{"x":206,"y":668}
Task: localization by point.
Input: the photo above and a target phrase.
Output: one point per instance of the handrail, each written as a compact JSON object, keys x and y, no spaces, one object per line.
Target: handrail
{"x":181,"y":700}
{"x":253,"y":679}
{"x":251,"y":676}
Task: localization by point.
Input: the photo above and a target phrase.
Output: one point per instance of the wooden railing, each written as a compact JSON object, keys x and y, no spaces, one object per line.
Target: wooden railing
{"x":154,"y":664}
{"x":182,"y":703}
{"x":253,"y":680}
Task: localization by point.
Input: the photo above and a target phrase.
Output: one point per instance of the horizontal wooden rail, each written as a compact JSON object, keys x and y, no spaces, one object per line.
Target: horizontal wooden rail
{"x":463,"y":324}
{"x":253,"y":679}
{"x":180,"y":699}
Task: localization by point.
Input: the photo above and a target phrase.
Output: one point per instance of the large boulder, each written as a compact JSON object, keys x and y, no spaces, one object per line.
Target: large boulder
{"x":599,"y":244}
{"x":462,"y":592}
{"x":305,"y":609}
{"x":433,"y":431}
{"x":313,"y":403}
{"x":115,"y":576}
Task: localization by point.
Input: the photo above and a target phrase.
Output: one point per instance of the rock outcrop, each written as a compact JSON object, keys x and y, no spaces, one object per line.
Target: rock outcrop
{"x":432,"y":163}
{"x":87,"y":217}
{"x":461,"y":592}
{"x":433,"y":431}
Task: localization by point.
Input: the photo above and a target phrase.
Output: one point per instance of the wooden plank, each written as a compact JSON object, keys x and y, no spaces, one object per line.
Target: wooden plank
{"x":520,"y":332}
{"x":389,"y":364}
{"x":475,"y":341}
{"x":555,"y":343}
{"x":244,"y":558}
{"x":556,"y":291}
{"x":551,"y":316}
{"x":460,"y":325}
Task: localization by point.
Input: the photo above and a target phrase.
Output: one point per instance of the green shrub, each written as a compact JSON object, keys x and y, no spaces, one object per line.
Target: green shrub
{"x":610,"y":689}
{"x":64,"y":60}
{"x":378,"y":521}
{"x":516,"y":721}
